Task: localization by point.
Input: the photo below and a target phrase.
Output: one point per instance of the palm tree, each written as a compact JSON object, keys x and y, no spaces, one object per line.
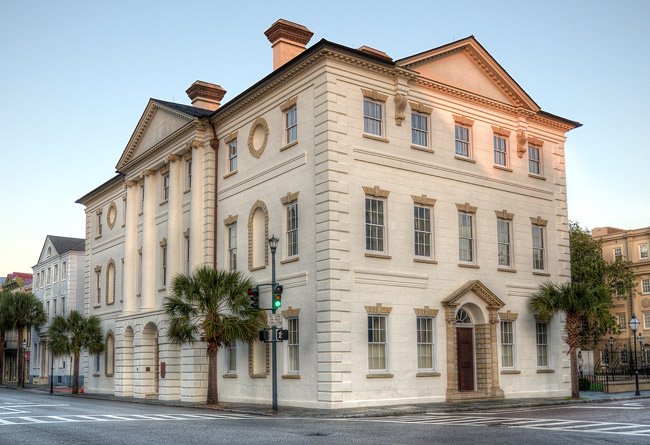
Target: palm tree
{"x":212,"y":306}
{"x":23,"y":310}
{"x":4,"y":325}
{"x":71,"y":335}
{"x":582,"y":303}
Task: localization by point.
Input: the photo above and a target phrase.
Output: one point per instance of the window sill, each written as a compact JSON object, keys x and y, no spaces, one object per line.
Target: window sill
{"x":289,"y":145}
{"x":427,"y":374}
{"x":162,"y":289}
{"x":424,"y":260}
{"x":229,"y":376}
{"x":110,"y":304}
{"x":257,"y":376}
{"x":291,"y":376}
{"x":290,"y":260}
{"x":545,"y":371}
{"x":378,"y":255}
{"x":374,"y":137}
{"x":98,"y":236}
{"x":163,"y":202}
{"x":533,"y":175}
{"x":506,"y":269}
{"x":96,"y":306}
{"x":510,"y":372}
{"x":469,"y":266}
{"x":110,"y":375}
{"x":502,"y":167}
{"x":541,"y":274}
{"x":422,"y":148}
{"x":379,"y":375}
{"x":229,"y":174}
{"x":96,"y":374}
{"x":464,"y":158}
{"x":253,"y":269}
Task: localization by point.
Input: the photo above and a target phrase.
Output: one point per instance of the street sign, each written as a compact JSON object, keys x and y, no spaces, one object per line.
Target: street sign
{"x":274,"y":320}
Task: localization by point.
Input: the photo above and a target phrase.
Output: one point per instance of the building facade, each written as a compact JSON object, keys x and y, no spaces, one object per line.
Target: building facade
{"x":633,"y":246}
{"x":419,"y":203}
{"x":11,"y":353}
{"x":58,"y":283}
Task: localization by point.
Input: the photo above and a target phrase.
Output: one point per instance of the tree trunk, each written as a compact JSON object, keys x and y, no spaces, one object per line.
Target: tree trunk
{"x":213,"y":397}
{"x":575,"y":384}
{"x":20,"y":357}
{"x":572,"y":327}
{"x":2,"y":356}
{"x":75,"y":374}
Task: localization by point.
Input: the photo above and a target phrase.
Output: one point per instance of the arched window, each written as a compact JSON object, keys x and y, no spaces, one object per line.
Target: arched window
{"x":462,"y":317}
{"x":109,"y":357}
{"x":258,"y":234}
{"x":110,"y":283}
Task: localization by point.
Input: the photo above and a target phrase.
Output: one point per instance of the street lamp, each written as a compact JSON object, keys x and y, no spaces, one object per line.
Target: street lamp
{"x":24,"y":359}
{"x":51,"y":369}
{"x":273,"y":246}
{"x":634,"y":325}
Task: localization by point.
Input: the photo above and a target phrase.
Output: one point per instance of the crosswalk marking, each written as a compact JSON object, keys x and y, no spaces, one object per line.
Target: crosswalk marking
{"x":23,"y":420}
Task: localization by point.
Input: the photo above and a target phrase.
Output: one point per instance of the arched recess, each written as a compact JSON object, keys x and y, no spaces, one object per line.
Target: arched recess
{"x":109,"y":354}
{"x":126,"y":369}
{"x":258,"y":234}
{"x":148,"y":360}
{"x":110,"y":282}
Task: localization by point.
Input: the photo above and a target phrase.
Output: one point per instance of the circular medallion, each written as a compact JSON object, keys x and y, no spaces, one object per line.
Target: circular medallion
{"x":112,"y":215}
{"x":258,"y":137}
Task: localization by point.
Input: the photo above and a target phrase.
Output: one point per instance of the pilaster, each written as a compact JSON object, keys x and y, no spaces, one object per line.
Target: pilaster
{"x":149,"y":243}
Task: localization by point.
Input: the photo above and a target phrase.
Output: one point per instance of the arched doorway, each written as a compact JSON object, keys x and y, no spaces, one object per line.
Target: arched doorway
{"x":465,"y":350}
{"x":149,"y":361}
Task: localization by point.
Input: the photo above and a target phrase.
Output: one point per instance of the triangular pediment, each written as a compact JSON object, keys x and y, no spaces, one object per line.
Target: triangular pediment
{"x":477,"y":288}
{"x":44,"y":251}
{"x":157,"y":124}
{"x":465,"y":65}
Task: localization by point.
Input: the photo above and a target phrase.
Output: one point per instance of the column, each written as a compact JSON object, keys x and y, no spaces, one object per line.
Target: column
{"x":452,"y":359}
{"x":174,"y":230}
{"x":196,"y":211}
{"x":131,"y":248}
{"x":495,"y":390}
{"x":149,"y":244}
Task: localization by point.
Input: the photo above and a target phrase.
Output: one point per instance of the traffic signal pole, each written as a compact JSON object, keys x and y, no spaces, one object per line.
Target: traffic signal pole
{"x":274,"y":364}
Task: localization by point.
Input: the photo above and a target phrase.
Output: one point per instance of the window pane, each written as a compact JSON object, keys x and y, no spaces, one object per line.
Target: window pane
{"x":372,"y":117}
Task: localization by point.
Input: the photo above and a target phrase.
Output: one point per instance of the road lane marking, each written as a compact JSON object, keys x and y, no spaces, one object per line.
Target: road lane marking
{"x":87,"y":418}
{"x":32,"y":419}
{"x":6,"y":422}
{"x":604,"y":407}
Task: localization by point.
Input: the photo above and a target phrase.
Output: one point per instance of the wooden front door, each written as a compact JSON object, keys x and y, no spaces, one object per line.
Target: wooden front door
{"x":465,"y":355}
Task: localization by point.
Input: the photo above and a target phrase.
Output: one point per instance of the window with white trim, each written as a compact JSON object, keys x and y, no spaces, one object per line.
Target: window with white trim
{"x":621,"y":322}
{"x":165,"y":187}
{"x":187,"y":254}
{"x":98,"y":285}
{"x":292,"y":229}
{"x":466,"y":242}
{"x":293,"y":344}
{"x":617,"y":253}
{"x":373,"y":116}
{"x":163,"y":265}
{"x":375,"y":225}
{"x":645,"y":285}
{"x":99,"y":224}
{"x":422,"y":231}
{"x":49,"y":275}
{"x":140,"y":272}
{"x":141,"y":197}
{"x":504,"y":242}
{"x":291,"y":124}
{"x":646,"y":320}
{"x":56,"y":273}
{"x":231,"y":357}
{"x":462,"y":138}
{"x":534,"y":160}
{"x":425,"y":329}
{"x":232,"y":155}
{"x":232,"y":246}
{"x":507,"y":344}
{"x":419,"y":129}
{"x":110,"y":283}
{"x":500,"y":150}
{"x":63,"y":306}
{"x":539,"y":247}
{"x":643,"y":251}
{"x":377,"y":360}
{"x":188,"y":174}
{"x":541,"y":338}
{"x":97,"y":360}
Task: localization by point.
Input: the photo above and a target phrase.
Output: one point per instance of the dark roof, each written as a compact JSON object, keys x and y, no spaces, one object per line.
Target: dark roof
{"x":187,"y":109}
{"x":114,"y":180}
{"x":64,"y":244}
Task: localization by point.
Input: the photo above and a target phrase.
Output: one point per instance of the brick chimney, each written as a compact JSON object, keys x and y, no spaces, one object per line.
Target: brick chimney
{"x":205,"y":95}
{"x":287,"y":39}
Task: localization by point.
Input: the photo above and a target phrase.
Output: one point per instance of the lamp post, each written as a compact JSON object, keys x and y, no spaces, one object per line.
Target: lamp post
{"x":273,"y":245}
{"x":634,"y":325}
{"x":611,"y":356}
{"x":640,"y":338}
{"x":24,"y":359}
{"x":51,"y":371}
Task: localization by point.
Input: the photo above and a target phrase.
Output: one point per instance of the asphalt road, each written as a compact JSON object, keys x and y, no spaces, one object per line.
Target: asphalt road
{"x":35,"y":418}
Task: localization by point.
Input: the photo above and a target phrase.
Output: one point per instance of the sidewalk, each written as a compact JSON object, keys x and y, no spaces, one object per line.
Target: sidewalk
{"x":379,"y":411}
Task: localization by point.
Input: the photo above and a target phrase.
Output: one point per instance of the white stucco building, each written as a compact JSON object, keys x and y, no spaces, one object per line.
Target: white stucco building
{"x":419,"y":203}
{"x":58,"y":282}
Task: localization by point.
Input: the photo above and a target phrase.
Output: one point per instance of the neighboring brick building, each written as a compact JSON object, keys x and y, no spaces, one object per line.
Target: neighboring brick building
{"x":419,"y":203}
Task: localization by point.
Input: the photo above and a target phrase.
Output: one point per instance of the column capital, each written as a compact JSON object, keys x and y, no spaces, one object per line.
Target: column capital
{"x":173,"y":158}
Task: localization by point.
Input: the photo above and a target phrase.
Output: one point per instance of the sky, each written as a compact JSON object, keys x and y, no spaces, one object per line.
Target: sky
{"x":75,"y":77}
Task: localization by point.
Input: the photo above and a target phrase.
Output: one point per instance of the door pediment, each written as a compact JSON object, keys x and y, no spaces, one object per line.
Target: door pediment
{"x":479,"y":289}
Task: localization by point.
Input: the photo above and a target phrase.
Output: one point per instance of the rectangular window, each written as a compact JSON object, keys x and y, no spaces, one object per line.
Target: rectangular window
{"x":645,"y":285}
{"x":646,"y":320}
{"x":64,"y":270}
{"x":291,"y":121}
{"x":617,"y":253}
{"x":541,"y":331}
{"x":372,"y":116}
{"x":232,"y":246}
{"x":188,"y":174}
{"x":643,"y":251}
{"x":534,"y":160}
{"x":140,"y":272}
{"x":187,"y":255}
{"x":500,"y":155}
{"x":425,"y":343}
{"x":98,"y":285}
{"x":538,"y":247}
{"x":508,"y":344}
{"x":63,"y":306}
{"x":292,"y":229}
{"x":231,"y":357}
{"x":620,"y":320}
{"x":54,"y":305}
{"x":141,"y":198}
{"x":49,"y":275}
{"x":422,"y":231}
{"x":375,"y":225}
{"x":48,"y":308}
{"x":462,"y":141}
{"x":56,"y":273}
{"x":163,"y":264}
{"x":97,"y":359}
{"x":377,"y":343}
{"x":419,"y":129}
{"x":99,"y":224}
{"x":124,"y":211}
{"x":504,"y":243}
{"x":232,"y":155}
{"x":466,"y":237}
{"x":293,"y":344}
{"x":165,"y":187}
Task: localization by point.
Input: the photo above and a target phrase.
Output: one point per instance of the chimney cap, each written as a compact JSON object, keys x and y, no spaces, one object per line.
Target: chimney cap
{"x":288,"y":30}
{"x":205,"y":90}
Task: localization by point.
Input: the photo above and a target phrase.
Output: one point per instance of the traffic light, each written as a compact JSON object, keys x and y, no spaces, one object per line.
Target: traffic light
{"x":277,"y":296}
{"x":254,"y":296}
